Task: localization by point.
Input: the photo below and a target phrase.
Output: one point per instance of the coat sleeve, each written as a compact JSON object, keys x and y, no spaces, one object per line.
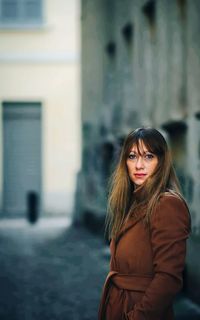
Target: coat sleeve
{"x":170,"y":227}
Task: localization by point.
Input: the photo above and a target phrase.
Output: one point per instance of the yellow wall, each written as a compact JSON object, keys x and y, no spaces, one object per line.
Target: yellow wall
{"x":42,"y":65}
{"x":59,"y":32}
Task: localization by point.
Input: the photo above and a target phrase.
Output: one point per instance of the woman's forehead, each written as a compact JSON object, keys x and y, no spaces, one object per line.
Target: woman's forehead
{"x":139,"y":147}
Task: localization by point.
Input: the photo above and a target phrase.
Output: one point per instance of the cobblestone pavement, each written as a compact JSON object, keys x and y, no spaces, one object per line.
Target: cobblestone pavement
{"x":52,"y":271}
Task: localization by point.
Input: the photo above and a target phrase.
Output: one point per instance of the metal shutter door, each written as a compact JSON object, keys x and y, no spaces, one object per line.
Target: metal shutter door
{"x":21,"y":155}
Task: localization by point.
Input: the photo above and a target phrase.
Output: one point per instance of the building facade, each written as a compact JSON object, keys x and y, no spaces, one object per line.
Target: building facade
{"x":140,"y":66}
{"x":39,"y":97}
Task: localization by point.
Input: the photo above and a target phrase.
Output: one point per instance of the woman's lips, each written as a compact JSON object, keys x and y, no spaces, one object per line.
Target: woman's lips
{"x":140,"y":175}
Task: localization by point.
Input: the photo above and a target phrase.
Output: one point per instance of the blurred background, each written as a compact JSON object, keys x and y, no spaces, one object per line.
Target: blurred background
{"x":75,"y":77}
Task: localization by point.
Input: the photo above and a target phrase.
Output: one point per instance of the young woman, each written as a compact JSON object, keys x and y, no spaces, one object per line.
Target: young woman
{"x":148,"y":223}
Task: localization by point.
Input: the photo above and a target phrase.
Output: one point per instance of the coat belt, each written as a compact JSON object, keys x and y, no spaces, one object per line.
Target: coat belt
{"x":131,"y":282}
{"x":122,"y":281}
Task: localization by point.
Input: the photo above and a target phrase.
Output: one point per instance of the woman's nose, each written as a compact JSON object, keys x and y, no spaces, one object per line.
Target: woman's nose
{"x":140,"y":163}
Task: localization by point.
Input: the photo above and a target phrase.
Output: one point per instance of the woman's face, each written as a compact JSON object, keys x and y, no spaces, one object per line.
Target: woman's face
{"x":141,"y":165}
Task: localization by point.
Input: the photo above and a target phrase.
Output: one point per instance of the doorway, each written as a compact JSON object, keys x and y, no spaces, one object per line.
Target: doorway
{"x":22,"y":160}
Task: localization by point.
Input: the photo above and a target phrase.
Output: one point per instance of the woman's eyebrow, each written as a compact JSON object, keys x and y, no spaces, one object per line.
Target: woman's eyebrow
{"x":141,"y":152}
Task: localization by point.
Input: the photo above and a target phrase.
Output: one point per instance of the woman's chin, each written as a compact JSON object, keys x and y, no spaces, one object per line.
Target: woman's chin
{"x":137,"y":184}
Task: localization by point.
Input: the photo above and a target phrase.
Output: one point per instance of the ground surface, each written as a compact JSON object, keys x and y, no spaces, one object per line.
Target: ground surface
{"x":53,"y":271}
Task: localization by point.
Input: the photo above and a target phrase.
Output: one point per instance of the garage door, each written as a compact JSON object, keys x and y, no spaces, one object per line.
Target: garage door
{"x":21,"y":155}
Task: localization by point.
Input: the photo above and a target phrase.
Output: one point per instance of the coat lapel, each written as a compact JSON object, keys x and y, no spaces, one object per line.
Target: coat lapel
{"x":129,"y":224}
{"x":113,"y":245}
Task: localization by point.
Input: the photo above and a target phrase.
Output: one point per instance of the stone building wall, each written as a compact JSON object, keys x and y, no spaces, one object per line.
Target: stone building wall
{"x":140,"y":66}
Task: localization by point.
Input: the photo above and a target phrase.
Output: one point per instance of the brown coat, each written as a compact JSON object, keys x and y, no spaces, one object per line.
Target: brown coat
{"x":146,"y":265}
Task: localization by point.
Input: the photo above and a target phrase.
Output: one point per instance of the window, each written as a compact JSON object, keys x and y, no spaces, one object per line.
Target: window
{"x":20,"y":12}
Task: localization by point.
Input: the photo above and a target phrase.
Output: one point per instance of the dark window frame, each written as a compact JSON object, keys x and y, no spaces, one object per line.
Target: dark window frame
{"x":21,"y":13}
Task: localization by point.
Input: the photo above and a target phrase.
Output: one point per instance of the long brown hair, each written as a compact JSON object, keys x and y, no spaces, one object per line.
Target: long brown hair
{"x":124,"y":199}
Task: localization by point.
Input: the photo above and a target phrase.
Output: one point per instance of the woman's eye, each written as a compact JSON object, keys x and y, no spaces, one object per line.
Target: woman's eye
{"x":132,"y":156}
{"x":149,"y":156}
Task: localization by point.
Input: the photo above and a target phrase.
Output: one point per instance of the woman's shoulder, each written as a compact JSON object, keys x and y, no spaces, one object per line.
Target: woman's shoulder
{"x":171,"y":196}
{"x":172,"y":208}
